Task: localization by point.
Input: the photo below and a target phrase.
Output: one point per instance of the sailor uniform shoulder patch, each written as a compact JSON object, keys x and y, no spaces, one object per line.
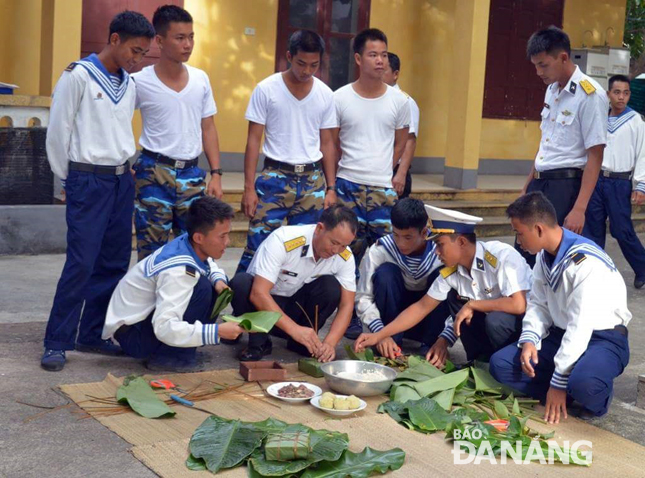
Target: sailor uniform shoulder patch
{"x":587,"y":87}
{"x":191,"y":271}
{"x":346,"y":254}
{"x":491,"y":259}
{"x":578,"y":258}
{"x":295,"y":243}
{"x":71,"y":66}
{"x":448,"y":271}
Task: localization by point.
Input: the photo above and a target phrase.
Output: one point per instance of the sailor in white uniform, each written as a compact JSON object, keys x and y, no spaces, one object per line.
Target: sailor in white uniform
{"x":305,"y":273}
{"x":484,"y":283}
{"x":395,"y":273}
{"x":614,"y":192}
{"x":89,"y":141}
{"x":161,"y":309}
{"x":574,"y":334}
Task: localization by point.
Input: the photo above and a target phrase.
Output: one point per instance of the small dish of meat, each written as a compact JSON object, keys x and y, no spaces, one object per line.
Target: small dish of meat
{"x":294,"y":391}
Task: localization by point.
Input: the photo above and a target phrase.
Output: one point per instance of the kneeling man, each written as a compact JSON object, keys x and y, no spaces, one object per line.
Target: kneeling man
{"x":305,"y":273}
{"x":574,"y":335}
{"x":485,"y":284}
{"x":160,"y":311}
{"x":395,"y":273}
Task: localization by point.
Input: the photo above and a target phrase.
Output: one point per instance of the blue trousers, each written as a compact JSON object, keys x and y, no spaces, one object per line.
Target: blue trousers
{"x":139,"y":340}
{"x":99,"y":244}
{"x":392,"y":298}
{"x":562,"y":193}
{"x":612,"y":199}
{"x":591,"y":382}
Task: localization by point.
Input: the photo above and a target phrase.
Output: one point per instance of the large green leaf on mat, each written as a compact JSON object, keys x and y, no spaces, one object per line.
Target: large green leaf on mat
{"x":270,"y":425}
{"x":428,"y":415}
{"x":359,"y":465}
{"x":142,"y":399}
{"x":419,"y":371}
{"x":325,"y":446}
{"x":402,"y":393}
{"x":484,"y":381}
{"x":444,"y":382}
{"x":195,"y":464}
{"x":255,"y":321}
{"x":445,"y":399}
{"x":224,"y":443}
{"x":223,"y":299}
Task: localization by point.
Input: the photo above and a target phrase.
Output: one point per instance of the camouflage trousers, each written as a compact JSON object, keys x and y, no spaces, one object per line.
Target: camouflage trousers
{"x":297,"y":198}
{"x":163,"y":196}
{"x":372,"y":206}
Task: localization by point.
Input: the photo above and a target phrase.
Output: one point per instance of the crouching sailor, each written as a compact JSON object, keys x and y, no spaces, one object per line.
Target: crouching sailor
{"x":161,"y":309}
{"x":574,"y":336}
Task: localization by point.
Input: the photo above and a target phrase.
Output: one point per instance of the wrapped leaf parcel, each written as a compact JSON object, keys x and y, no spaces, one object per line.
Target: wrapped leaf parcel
{"x":255,"y":321}
{"x":138,"y":394}
{"x":287,"y":446}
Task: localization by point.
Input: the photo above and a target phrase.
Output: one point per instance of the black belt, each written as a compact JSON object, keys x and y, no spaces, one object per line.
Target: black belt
{"x":175,"y":163}
{"x":294,"y":168}
{"x":563,"y":173}
{"x":97,"y":169}
{"x":610,"y":174}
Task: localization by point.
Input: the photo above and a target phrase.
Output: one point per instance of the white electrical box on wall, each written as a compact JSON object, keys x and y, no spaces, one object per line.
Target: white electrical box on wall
{"x":591,"y":61}
{"x":618,"y":61}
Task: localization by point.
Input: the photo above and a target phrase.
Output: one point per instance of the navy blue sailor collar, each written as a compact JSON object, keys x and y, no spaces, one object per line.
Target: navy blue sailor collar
{"x":177,"y":253}
{"x":423,"y":263}
{"x":102,"y":77}
{"x":615,"y":122}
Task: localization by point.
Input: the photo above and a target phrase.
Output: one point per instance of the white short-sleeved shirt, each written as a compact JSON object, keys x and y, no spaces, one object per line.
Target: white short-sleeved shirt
{"x":414,"y":112}
{"x":367,"y":129}
{"x":172,"y":121}
{"x":291,"y":126}
{"x":286,"y":259}
{"x":574,"y":119}
{"x":498,"y":270}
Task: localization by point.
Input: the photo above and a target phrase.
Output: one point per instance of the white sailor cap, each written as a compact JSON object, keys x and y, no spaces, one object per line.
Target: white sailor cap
{"x":447,"y":221}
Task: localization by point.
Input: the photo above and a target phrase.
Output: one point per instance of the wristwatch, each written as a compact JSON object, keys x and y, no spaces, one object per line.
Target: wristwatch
{"x":331,"y":188}
{"x":217,"y":171}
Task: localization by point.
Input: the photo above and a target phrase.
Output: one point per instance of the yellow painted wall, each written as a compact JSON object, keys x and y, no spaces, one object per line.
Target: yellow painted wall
{"x":235,"y":62}
{"x":6,"y":13}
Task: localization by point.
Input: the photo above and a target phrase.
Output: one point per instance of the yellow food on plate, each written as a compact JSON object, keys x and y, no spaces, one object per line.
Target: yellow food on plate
{"x":353,"y":402}
{"x":327,"y":400}
{"x":341,"y":403}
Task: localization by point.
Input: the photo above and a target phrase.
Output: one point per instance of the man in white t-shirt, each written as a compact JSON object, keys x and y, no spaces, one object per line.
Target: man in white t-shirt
{"x":177,"y":108}
{"x":373,"y":121}
{"x":295,"y":111}
{"x":402,"y":179}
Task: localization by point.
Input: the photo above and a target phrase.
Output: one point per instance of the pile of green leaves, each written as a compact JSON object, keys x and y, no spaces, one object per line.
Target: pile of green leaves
{"x":138,"y":394}
{"x":367,"y":355}
{"x":255,"y":321}
{"x":427,"y":400}
{"x":219,"y":444}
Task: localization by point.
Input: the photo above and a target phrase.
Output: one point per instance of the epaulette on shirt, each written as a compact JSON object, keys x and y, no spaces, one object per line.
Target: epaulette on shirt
{"x":491,"y":259}
{"x":587,"y":87}
{"x":578,"y":258}
{"x":346,"y":254}
{"x":71,"y":66}
{"x":191,"y":271}
{"x":448,"y":271}
{"x":294,"y":244}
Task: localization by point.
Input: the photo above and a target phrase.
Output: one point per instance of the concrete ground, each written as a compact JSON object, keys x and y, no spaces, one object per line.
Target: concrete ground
{"x":58,"y":444}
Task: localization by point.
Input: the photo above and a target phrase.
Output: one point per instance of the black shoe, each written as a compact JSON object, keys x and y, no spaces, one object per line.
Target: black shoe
{"x":354,"y":329}
{"x":103,"y":347}
{"x":253,"y":353}
{"x":53,"y":360}
{"x":639,"y":283}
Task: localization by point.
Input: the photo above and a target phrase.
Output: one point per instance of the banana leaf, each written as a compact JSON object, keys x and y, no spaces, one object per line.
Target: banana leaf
{"x":255,"y":321}
{"x":444,"y":382}
{"x":403,"y":393}
{"x":223,"y":299}
{"x":419,"y":372}
{"x":484,"y":381}
{"x":325,"y":446}
{"x":142,"y":399}
{"x":223,"y":443}
{"x":270,"y":425}
{"x":427,"y":415}
{"x":195,"y":464}
{"x":366,"y":355}
{"x":396,"y":410}
{"x":359,"y":465}
{"x":445,"y":399}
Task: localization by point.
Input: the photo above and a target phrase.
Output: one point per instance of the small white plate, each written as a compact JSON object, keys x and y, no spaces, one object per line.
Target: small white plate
{"x":273,"y":391}
{"x":315,"y":401}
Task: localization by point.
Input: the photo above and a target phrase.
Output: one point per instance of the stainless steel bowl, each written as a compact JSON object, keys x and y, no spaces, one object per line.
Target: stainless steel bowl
{"x":357,"y":387}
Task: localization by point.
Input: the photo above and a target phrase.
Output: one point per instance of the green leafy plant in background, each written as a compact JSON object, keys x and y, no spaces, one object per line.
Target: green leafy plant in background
{"x":255,"y":321}
{"x":222,"y":301}
{"x":219,"y":444}
{"x":137,"y":393}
